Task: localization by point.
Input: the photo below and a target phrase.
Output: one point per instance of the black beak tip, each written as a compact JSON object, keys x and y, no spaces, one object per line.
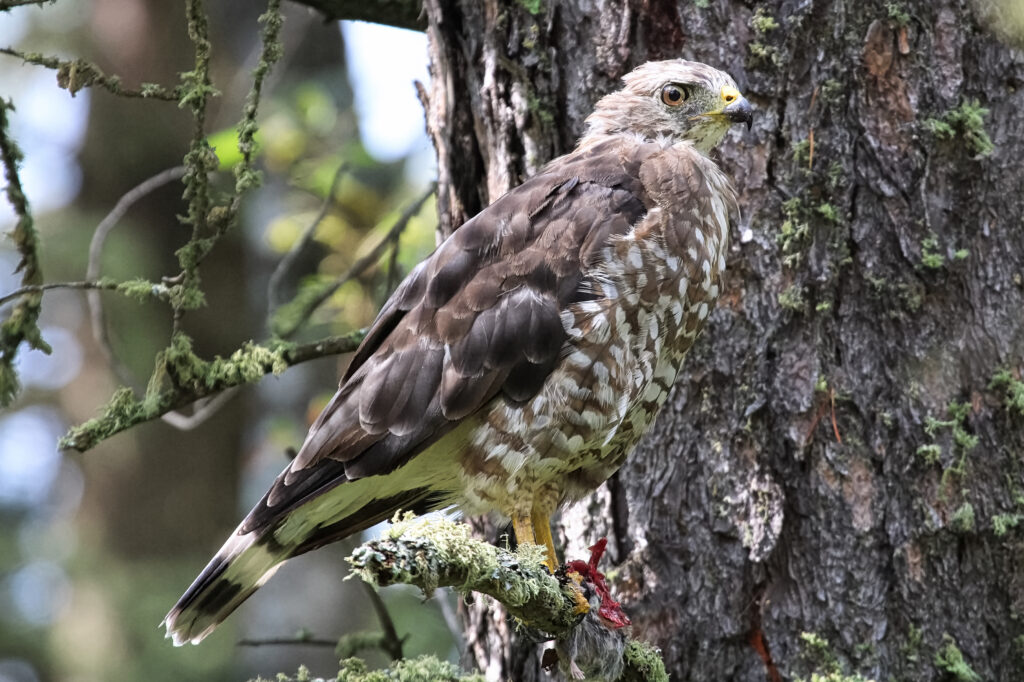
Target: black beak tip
{"x":740,"y":111}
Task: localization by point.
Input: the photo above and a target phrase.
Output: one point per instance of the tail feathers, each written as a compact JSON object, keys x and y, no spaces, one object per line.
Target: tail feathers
{"x":242,"y":566}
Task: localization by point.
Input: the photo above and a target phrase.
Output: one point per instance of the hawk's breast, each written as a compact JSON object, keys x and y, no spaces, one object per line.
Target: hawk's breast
{"x":647,"y":299}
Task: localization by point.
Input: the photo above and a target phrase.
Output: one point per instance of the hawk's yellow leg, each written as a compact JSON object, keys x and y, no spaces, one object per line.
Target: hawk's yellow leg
{"x":535,"y":528}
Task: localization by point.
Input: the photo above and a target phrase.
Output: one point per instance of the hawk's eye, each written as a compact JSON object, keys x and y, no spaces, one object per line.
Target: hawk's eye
{"x":674,"y":95}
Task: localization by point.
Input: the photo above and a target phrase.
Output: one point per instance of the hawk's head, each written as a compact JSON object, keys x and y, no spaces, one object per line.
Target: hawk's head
{"x":672,"y":100}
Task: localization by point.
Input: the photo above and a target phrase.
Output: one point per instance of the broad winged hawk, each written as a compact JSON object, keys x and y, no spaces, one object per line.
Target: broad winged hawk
{"x":517,"y":366}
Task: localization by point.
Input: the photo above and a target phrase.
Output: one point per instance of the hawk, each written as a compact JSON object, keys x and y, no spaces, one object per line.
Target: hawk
{"x":518,"y":365}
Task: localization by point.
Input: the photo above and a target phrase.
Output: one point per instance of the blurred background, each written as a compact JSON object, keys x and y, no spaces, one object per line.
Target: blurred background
{"x":95,"y":548}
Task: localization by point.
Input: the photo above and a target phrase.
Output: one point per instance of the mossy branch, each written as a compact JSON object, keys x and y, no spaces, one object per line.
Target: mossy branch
{"x":181,"y":378}
{"x":77,"y":74}
{"x":432,"y":553}
{"x":22,"y":324}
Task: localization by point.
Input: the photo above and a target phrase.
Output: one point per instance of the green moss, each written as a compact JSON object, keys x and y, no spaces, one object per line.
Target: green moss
{"x":962,"y":520}
{"x":951,"y":661}
{"x":534,"y":7}
{"x":911,"y":649}
{"x":897,"y":13}
{"x":931,"y":258}
{"x":829,"y":212}
{"x":1013,"y":389}
{"x":1003,"y":523}
{"x":702,"y":4}
{"x":831,"y":89}
{"x":801,"y":152}
{"x":967,"y":121}
{"x":823,"y":306}
{"x":643,"y":664}
{"x":818,"y":653}
{"x":762,"y":22}
{"x":931,"y":453}
{"x":961,"y":254}
{"x":793,"y":298}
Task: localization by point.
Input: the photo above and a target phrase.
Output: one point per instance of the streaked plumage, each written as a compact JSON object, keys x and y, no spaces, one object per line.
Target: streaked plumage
{"x":516,"y":367}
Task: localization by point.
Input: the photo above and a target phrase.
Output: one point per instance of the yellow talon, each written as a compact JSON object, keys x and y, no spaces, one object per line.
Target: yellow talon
{"x":535,"y":528}
{"x":582,"y":605}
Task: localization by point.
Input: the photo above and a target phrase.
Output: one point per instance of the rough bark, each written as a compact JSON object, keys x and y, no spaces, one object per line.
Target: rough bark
{"x":874,"y":286}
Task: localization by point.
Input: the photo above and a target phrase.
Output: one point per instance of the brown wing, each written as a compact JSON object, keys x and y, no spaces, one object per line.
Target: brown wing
{"x":477,"y":320}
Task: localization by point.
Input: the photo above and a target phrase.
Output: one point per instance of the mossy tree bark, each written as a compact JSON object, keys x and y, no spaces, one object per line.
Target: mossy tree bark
{"x":874,"y":291}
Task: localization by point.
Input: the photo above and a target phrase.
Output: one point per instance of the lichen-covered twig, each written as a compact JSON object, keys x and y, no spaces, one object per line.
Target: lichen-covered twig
{"x":77,"y":74}
{"x":181,"y":378}
{"x":431,"y":553}
{"x":21,"y":325}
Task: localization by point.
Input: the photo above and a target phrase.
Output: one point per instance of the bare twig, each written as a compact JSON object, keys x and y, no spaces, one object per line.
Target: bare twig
{"x":93,"y":299}
{"x":202,"y":410}
{"x":288,"y":641}
{"x":39,"y":288}
{"x":391,"y":643}
{"x":285,"y":265}
{"x":75,"y":75}
{"x":357,"y":269}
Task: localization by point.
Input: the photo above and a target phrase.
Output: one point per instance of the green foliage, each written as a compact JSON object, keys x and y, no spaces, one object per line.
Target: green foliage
{"x":950,"y":660}
{"x":966,"y":121}
{"x":1013,"y":389}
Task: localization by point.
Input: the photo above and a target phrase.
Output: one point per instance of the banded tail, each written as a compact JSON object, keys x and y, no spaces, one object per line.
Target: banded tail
{"x":252,"y":555}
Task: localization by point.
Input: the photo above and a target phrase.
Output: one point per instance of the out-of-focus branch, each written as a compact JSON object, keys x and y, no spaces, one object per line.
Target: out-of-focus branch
{"x":290,"y":317}
{"x":97,"y":318}
{"x":274,"y":294}
{"x":401,"y":13}
{"x":6,"y":5}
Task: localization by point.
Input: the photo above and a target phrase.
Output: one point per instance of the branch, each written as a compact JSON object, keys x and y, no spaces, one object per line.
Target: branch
{"x":432,"y":553}
{"x":399,"y":13}
{"x":288,"y":260}
{"x":7,"y":5}
{"x":92,"y":271}
{"x":181,"y":378}
{"x":290,"y":317}
{"x":22,"y":325}
{"x":40,"y":288}
{"x":77,"y":74}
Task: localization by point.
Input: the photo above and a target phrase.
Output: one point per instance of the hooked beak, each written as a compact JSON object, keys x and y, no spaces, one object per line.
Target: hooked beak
{"x":740,"y":111}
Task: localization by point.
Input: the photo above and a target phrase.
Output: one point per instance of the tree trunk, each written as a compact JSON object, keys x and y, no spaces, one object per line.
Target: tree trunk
{"x":835,"y":458}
